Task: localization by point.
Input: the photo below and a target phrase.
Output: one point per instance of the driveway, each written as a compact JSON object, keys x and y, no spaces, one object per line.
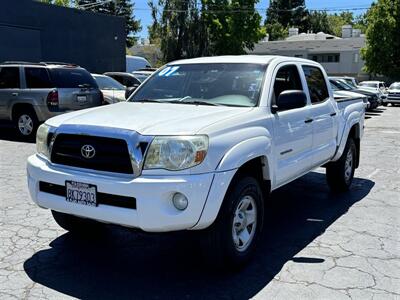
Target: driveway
{"x":315,"y":245}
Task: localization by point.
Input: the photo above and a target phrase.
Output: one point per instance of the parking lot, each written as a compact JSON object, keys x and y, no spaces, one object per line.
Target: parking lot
{"x":315,"y":245}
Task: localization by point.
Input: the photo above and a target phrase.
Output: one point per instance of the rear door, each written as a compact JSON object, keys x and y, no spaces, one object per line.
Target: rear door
{"x":77,"y":89}
{"x":292,"y":130}
{"x":323,"y":114}
{"x":10,"y":87}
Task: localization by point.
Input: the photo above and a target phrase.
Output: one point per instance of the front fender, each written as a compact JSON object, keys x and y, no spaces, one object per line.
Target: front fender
{"x":233,"y":159}
{"x":245,"y":151}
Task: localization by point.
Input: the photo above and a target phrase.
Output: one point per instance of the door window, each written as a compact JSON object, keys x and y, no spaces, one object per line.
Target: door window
{"x":287,"y":78}
{"x":37,"y":78}
{"x":316,"y":84}
{"x":9,"y":78}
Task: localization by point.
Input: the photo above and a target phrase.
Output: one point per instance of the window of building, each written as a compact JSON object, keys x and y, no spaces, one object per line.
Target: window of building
{"x":37,"y":78}
{"x":356,"y":57}
{"x":316,"y":84}
{"x":325,"y":57}
{"x":9,"y":78}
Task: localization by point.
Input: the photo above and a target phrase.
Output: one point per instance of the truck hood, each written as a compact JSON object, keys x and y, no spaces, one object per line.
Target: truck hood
{"x":150,"y":118}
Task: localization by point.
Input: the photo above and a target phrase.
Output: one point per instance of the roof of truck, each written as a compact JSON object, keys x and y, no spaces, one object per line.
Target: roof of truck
{"x":255,"y":59}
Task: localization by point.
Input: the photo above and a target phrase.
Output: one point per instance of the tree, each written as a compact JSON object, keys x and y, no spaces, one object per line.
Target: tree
{"x":276,"y":31}
{"x":214,"y":27}
{"x":319,"y":21}
{"x":336,"y":21}
{"x":232,"y":25}
{"x":288,"y":13}
{"x":120,"y":8}
{"x":382,"y":51}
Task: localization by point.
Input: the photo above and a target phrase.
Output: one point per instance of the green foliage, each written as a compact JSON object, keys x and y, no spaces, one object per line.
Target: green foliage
{"x":120,"y":8}
{"x":232,"y":25}
{"x":288,"y":14}
{"x":319,"y":21}
{"x":276,"y":31}
{"x":187,"y":29}
{"x":336,"y":21}
{"x":382,"y":53}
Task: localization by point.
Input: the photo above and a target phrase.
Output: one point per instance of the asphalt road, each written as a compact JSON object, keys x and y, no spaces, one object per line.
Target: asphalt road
{"x":315,"y":245}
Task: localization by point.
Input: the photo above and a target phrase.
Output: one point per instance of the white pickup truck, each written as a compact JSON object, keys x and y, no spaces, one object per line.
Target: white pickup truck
{"x":198,"y":146}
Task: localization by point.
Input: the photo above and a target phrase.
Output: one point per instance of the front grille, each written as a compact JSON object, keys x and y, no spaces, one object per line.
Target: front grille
{"x":102,"y":198}
{"x":111,"y":154}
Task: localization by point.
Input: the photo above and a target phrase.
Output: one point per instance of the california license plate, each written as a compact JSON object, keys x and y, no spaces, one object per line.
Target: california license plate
{"x":81,"y":99}
{"x":81,"y":193}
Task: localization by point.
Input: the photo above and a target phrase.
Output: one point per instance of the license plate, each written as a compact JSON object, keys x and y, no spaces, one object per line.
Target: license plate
{"x":81,"y":99}
{"x":81,"y":193}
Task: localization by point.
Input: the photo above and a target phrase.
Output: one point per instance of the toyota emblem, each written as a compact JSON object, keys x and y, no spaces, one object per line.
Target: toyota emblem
{"x":88,"y":151}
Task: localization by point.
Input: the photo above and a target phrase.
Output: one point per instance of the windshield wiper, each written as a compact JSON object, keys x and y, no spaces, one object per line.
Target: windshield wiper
{"x":149,"y":100}
{"x":194,"y":102}
{"x":85,"y":85}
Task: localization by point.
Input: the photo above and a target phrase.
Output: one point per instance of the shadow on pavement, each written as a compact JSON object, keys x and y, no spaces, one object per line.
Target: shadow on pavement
{"x":130,"y":265}
{"x":8,"y":133}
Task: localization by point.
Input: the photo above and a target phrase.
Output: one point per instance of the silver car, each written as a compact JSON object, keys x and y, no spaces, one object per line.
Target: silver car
{"x":31,"y":93}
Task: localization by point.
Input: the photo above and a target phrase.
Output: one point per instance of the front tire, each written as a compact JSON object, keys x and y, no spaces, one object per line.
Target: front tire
{"x":77,"y":225}
{"x":340,"y":173}
{"x":233,"y":237}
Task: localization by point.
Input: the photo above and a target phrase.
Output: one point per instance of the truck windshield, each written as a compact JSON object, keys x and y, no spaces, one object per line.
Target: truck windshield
{"x":228,"y":84}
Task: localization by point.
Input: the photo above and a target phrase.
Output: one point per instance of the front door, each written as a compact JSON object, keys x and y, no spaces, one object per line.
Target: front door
{"x":292,"y":129}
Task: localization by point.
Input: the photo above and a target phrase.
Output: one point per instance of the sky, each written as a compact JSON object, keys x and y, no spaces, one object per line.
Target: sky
{"x":142,"y":11}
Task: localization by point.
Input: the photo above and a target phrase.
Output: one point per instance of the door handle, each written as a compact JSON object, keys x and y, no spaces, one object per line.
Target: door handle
{"x":308,"y":120}
{"x":333,"y":114}
{"x":15,"y":94}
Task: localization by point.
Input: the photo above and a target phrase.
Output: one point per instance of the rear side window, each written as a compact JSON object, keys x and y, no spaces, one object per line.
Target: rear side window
{"x":72,"y":78}
{"x":37,"y":78}
{"x":9,"y":78}
{"x":316,"y":84}
{"x":287,"y":78}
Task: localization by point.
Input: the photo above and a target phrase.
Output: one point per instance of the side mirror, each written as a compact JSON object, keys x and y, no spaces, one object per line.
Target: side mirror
{"x":290,"y":99}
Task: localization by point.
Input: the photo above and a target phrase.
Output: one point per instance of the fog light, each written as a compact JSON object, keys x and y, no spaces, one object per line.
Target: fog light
{"x":180,"y":201}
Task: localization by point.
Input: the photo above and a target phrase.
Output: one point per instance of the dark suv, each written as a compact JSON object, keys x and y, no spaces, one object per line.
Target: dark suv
{"x":31,"y":93}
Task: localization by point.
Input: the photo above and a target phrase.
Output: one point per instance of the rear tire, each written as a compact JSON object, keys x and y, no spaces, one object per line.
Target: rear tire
{"x":26,"y":123}
{"x":340,"y":173}
{"x":232,"y":239}
{"x":385,"y":104}
{"x":77,"y":225}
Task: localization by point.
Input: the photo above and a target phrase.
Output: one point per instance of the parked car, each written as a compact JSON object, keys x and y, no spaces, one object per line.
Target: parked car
{"x":372,"y":97}
{"x":393,"y":94}
{"x":134,"y":63}
{"x":198,"y":146}
{"x":375,"y":86}
{"x":353,"y":82}
{"x":129,"y":80}
{"x":30,"y":93}
{"x":112,"y":90}
{"x":340,"y":95}
{"x":144,"y":73}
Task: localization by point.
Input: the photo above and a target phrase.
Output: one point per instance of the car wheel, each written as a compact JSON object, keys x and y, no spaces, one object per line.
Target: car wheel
{"x":26,"y":123}
{"x":340,"y":173}
{"x":77,"y":225}
{"x":231,"y":240}
{"x":384,"y":104}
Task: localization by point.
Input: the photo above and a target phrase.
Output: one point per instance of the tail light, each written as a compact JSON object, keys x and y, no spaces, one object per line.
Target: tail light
{"x":52,"y":98}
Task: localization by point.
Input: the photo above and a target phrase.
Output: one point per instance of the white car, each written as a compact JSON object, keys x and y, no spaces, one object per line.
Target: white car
{"x":112,"y":90}
{"x":198,"y":146}
{"x":393,"y":94}
{"x":375,"y":86}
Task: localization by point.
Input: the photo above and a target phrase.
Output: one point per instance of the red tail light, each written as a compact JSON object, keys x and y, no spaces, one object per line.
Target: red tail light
{"x":52,"y":98}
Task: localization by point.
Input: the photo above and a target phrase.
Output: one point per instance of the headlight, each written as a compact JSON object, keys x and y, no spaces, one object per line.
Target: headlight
{"x":41,"y":140}
{"x":176,"y":152}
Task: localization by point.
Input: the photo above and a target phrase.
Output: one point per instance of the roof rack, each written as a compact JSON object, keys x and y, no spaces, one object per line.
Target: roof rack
{"x":22,"y":63}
